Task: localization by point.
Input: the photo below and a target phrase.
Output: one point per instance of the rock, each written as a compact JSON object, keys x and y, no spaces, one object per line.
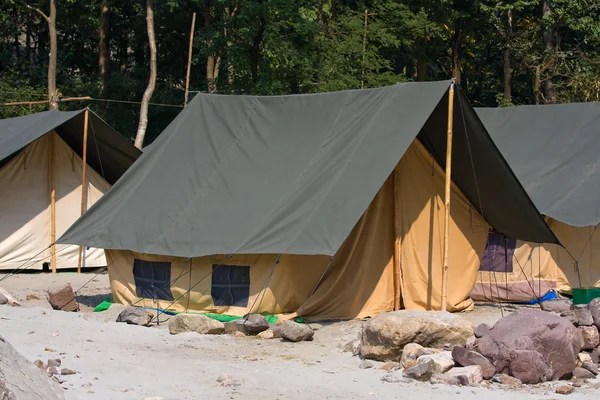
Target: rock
{"x":584,"y":357}
{"x":584,"y":317}
{"x":529,"y":366}
{"x":565,"y":389}
{"x":365,"y":364}
{"x":135,"y":316}
{"x":594,"y":356}
{"x":465,"y":357}
{"x":582,"y":373}
{"x":481,"y":330}
{"x":466,"y":375}
{"x":557,"y":306}
{"x":3,"y":299}
{"x":590,"y":337}
{"x":63,"y":298}
{"x":296,"y":332}
{"x":444,"y":379}
{"x":54,"y":362}
{"x":383,"y":337}
{"x":422,"y":371}
{"x":471,"y":343}
{"x":594,"y":308}
{"x":67,"y":371}
{"x":576,"y":382}
{"x":590,"y":366}
{"x":394,"y":378}
{"x":255,"y":324}
{"x":22,"y":380}
{"x":239,"y":334}
{"x":31,"y":297}
{"x":50,"y":371}
{"x":352,"y":347}
{"x":442,"y":361}
{"x":276,"y":328}
{"x":11,"y":300}
{"x":556,"y":340}
{"x":195,"y":323}
{"x":229,"y":381}
{"x":571,"y":317}
{"x":412,"y":351}
{"x":268,"y":334}
{"x":390,"y":366}
{"x":504,"y":379}
{"x":40,"y":364}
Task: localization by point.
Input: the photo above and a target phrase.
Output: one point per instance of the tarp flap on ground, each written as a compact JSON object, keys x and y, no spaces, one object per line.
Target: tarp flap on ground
{"x":293,"y":174}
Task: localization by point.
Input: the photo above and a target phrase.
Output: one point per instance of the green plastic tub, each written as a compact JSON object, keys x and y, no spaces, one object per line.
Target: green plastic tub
{"x":585,"y":295}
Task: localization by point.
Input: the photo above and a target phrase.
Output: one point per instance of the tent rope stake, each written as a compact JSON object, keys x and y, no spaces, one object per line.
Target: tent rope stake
{"x":447,"y":195}
{"x":83,"y":179}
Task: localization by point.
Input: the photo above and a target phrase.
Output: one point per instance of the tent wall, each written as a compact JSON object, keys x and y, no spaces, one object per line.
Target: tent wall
{"x":539,"y":268}
{"x":25,"y":205}
{"x":385,"y":262}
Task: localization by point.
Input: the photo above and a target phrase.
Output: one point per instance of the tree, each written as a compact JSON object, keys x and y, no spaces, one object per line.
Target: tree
{"x":104,"y":48}
{"x":141,"y":132}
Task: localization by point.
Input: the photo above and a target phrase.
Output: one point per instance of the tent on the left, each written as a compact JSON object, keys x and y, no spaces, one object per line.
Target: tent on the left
{"x":41,"y":181}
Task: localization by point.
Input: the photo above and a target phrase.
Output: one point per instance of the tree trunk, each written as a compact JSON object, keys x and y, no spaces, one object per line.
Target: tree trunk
{"x":549,"y":89}
{"x":104,"y":51}
{"x":456,"y":51}
{"x":421,"y":69}
{"x":229,"y":14}
{"x":213,"y":61}
{"x":536,"y":84}
{"x":123,"y":47}
{"x":52,"y":92}
{"x":28,"y":42}
{"x":507,"y":69}
{"x":141,"y":132}
{"x":255,"y":55}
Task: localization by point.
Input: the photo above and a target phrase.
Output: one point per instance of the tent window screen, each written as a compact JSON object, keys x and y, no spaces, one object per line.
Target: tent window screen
{"x":152,"y":279}
{"x":230,"y":285}
{"x":498,"y":254}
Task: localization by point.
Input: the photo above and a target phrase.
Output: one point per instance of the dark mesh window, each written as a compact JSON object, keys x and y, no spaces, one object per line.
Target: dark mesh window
{"x":230,"y":285}
{"x":498,"y":254}
{"x":152,"y":279}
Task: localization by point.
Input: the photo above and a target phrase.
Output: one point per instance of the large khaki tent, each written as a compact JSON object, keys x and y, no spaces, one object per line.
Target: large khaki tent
{"x":42,"y":153}
{"x":554,"y":150}
{"x":322,"y":205}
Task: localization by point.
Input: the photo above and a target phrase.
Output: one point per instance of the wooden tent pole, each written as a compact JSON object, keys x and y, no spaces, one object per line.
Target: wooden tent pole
{"x":52,"y":204}
{"x":189,"y":63}
{"x":447,"y":195}
{"x":83,"y":179}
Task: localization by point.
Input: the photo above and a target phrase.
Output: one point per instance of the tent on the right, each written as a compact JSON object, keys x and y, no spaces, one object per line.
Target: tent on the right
{"x":555,"y":152}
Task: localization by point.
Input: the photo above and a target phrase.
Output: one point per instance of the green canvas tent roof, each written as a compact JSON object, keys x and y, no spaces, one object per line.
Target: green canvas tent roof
{"x":109,"y":153}
{"x":555,"y":152}
{"x":293,"y":174}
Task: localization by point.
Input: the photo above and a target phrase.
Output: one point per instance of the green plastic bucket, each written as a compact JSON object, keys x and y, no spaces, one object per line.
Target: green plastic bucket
{"x":585,"y":295}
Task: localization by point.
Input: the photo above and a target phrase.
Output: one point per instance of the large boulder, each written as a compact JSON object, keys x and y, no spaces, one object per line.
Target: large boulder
{"x":590,"y":337}
{"x":384,"y":336}
{"x":556,"y":341}
{"x":22,"y":380}
{"x":63,"y":298}
{"x":594,"y":308}
{"x":296,"y":332}
{"x":135,"y":316}
{"x":181,"y":323}
{"x":557,"y":306}
{"x":465,"y":357}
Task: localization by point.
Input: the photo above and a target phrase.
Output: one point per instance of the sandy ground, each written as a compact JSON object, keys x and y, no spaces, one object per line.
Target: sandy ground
{"x":124,"y":362}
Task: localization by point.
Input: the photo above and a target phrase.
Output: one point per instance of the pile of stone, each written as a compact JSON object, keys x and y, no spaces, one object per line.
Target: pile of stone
{"x":251,"y":325}
{"x":53,"y":370}
{"x":526,"y":347}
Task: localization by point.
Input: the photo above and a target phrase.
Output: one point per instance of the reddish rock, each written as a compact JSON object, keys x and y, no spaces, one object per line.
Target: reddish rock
{"x":481,"y":330}
{"x":582,"y":373}
{"x":565,"y":389}
{"x":466,"y":375}
{"x":63,"y":299}
{"x":556,"y":340}
{"x":556,"y":306}
{"x":584,"y":317}
{"x":466,"y":357}
{"x":594,"y":308}
{"x":590,"y":366}
{"x":529,"y":366}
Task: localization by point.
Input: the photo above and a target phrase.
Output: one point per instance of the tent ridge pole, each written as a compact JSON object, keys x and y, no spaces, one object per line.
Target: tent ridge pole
{"x":83,"y":179}
{"x":52,"y":204}
{"x":447,"y":195}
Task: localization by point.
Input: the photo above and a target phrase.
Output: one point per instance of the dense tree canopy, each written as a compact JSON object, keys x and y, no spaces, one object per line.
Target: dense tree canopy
{"x":503,"y":52}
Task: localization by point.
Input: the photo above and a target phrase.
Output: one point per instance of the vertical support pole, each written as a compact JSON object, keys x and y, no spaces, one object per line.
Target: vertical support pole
{"x":52,"y":203}
{"x":397,"y":255}
{"x":83,"y":178}
{"x":447,"y":195}
{"x":189,"y":63}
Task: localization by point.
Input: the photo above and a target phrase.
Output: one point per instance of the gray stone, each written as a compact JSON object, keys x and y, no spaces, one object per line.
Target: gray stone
{"x":594,"y":308}
{"x":529,"y":366}
{"x":395,"y":378}
{"x":443,"y":379}
{"x":442,"y":361}
{"x":556,"y":340}
{"x":565,"y":389}
{"x":383,"y":337}
{"x":412,"y":351}
{"x":557,"y":306}
{"x":67,"y":371}
{"x":51,"y":371}
{"x":584,"y":317}
{"x":590,"y":337}
{"x":54,"y":362}
{"x":3,"y":299}
{"x":571,"y":317}
{"x":421,"y":372}
{"x":466,"y":375}
{"x":296,"y":332}
{"x":22,"y":380}
{"x":353,"y":347}
{"x":504,"y":379}
{"x":63,"y":298}
{"x":471,"y":343}
{"x":276,"y":328}
{"x":594,"y":356}
{"x":365,"y":364}
{"x":228,"y":381}
{"x":582,"y":373}
{"x":590,"y":366}
{"x":465,"y":357}
{"x":481,"y":330}
{"x":255,"y":324}
{"x":181,"y":323}
{"x":135,"y":316}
